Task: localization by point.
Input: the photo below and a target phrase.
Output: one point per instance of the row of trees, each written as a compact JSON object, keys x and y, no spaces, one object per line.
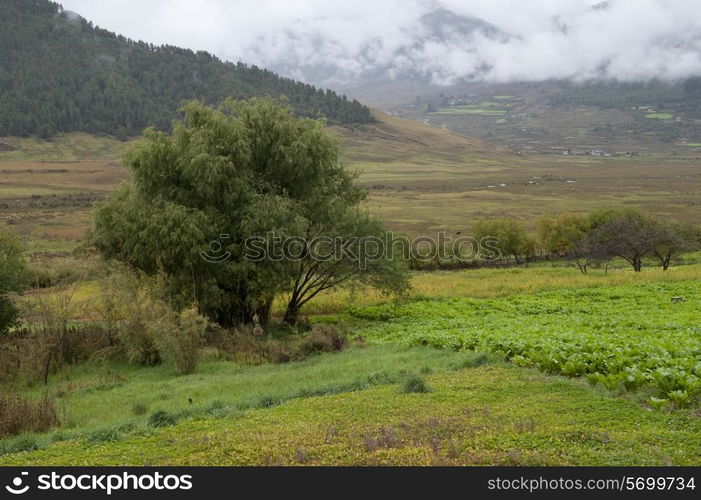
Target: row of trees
{"x":59,"y":73}
{"x":601,"y":236}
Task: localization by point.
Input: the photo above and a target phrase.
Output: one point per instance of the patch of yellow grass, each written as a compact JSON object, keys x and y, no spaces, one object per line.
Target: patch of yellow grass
{"x":485,"y":283}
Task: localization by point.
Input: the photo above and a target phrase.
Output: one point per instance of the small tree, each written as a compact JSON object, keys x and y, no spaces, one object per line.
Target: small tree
{"x":178,"y":337}
{"x":625,"y":233}
{"x":568,"y":236}
{"x":14,"y":275}
{"x":513,"y":241}
{"x":673,"y":240}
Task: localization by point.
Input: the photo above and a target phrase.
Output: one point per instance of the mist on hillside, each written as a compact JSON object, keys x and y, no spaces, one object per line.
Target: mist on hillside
{"x":439,"y":42}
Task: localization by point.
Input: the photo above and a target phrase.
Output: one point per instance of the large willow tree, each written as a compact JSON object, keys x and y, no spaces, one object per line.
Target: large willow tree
{"x":248,"y":169}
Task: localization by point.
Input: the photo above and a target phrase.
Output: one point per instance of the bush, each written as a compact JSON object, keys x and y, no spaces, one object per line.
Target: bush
{"x":9,"y":314}
{"x":139,"y":409}
{"x":19,"y":444}
{"x":19,"y":415}
{"x":413,"y":384}
{"x":323,"y":338}
{"x":243,"y":346}
{"x":30,"y":353}
{"x":160,"y":418}
{"x":45,"y":277}
{"x":14,"y":275}
{"x":129,"y":307}
{"x":105,"y":435}
{"x":178,"y":338}
{"x":146,"y":325}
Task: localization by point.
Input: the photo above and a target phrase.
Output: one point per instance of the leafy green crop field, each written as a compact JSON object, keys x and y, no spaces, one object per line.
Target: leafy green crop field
{"x":629,"y":337}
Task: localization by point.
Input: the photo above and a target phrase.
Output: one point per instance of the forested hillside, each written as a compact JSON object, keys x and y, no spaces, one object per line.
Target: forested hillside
{"x":59,"y":73}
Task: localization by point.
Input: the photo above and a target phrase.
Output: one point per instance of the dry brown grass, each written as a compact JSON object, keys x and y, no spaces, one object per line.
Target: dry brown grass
{"x":18,"y":414}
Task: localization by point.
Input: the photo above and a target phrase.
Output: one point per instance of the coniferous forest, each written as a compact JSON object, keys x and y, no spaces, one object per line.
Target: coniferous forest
{"x":60,"y":73}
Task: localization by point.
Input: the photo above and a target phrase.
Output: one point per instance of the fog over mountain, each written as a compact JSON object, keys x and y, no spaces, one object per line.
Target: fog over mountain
{"x":440,"y":42}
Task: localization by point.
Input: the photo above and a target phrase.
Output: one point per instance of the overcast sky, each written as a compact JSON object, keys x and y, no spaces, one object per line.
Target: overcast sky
{"x":581,"y":39}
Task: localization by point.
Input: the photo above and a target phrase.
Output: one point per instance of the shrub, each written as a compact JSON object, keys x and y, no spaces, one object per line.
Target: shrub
{"x":243,"y":346}
{"x":45,"y":277}
{"x":160,"y":418}
{"x":129,"y":305}
{"x":19,"y":415}
{"x":475,"y":359}
{"x":14,"y":276}
{"x":139,"y":409}
{"x":19,"y":444}
{"x":30,"y":353}
{"x":268,"y":401}
{"x":9,"y":314}
{"x":413,"y":384}
{"x":105,"y":435}
{"x":178,"y":338}
{"x":323,"y":338}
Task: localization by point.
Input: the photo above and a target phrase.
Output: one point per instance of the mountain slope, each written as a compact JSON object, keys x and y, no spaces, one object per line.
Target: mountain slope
{"x":59,"y":73}
{"x":381,"y":59}
{"x":555,"y":116}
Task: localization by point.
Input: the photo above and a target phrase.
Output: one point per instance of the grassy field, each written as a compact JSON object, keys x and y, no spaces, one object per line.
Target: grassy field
{"x":631,"y":356}
{"x":488,"y":283}
{"x":545,"y":116}
{"x":423,"y":179}
{"x":474,"y":283}
{"x":463,"y":419}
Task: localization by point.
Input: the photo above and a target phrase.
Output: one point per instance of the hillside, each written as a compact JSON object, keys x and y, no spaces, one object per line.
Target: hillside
{"x":391,"y":138}
{"x":59,"y":73}
{"x":550,"y":117}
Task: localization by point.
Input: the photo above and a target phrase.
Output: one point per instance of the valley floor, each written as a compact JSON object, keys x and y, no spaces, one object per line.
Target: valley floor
{"x":349,"y":408}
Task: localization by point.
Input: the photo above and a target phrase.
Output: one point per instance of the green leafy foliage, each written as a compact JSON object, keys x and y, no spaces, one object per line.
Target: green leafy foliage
{"x":627,"y":338}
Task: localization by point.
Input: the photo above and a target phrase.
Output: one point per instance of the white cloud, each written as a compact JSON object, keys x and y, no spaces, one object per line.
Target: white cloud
{"x":318,"y":39}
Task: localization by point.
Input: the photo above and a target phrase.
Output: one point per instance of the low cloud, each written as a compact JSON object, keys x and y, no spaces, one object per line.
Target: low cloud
{"x":334,"y":43}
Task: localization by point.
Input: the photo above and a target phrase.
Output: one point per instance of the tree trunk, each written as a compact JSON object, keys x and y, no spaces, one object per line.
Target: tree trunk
{"x":637,"y":264}
{"x":291,"y":313}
